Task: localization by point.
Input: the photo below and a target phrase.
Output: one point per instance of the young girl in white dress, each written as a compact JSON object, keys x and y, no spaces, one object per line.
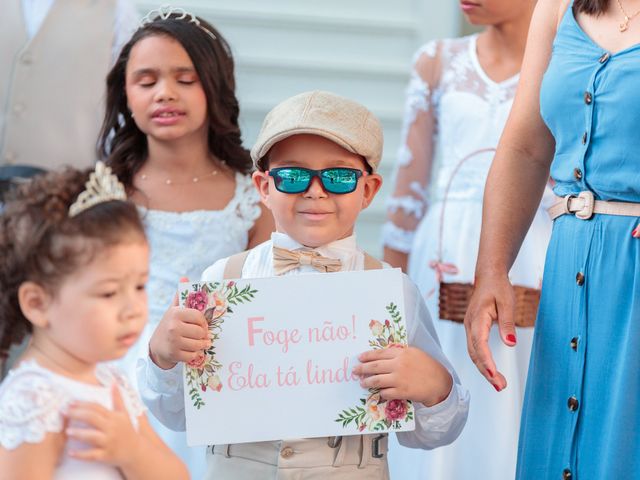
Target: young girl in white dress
{"x":171,"y":134}
{"x":458,"y":100}
{"x":73,"y":268}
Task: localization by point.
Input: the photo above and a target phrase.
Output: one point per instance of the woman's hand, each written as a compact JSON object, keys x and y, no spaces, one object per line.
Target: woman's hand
{"x":492,"y":301}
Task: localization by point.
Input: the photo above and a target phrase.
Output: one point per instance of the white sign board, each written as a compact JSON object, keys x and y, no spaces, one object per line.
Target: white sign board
{"x":282,"y":357}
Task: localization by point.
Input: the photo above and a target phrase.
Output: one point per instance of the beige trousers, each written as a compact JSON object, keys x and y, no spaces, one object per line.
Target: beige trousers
{"x":360,"y":457}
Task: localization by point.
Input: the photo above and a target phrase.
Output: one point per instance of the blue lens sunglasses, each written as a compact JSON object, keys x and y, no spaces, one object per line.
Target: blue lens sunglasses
{"x":337,"y":180}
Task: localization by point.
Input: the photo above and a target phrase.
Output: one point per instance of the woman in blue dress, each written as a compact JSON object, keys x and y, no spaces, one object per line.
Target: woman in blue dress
{"x":577,"y":115}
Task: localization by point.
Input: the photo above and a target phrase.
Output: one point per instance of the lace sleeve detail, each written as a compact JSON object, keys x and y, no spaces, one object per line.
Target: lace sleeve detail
{"x":408,"y":202}
{"x":31,"y":405}
{"x":397,"y":238}
{"x":248,"y":206}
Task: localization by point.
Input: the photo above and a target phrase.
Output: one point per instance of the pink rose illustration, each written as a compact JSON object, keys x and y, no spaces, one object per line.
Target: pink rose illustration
{"x":396,"y":409}
{"x":198,"y":362}
{"x":197,"y":301}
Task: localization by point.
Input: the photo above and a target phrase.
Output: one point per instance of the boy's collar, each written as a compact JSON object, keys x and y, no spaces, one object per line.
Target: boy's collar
{"x":338,"y":249}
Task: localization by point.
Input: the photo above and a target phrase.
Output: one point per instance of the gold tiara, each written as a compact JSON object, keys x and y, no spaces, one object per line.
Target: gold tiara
{"x":165,"y":12}
{"x":102,"y":186}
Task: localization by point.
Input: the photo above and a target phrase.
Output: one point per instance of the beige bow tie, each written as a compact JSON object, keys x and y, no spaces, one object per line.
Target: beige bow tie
{"x":285,"y":260}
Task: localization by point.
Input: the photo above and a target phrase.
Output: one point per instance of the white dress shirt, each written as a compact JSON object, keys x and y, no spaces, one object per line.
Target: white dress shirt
{"x":162,"y":390}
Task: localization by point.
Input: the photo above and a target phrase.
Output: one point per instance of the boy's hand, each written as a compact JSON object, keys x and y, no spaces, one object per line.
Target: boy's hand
{"x":181,"y":335}
{"x":405,"y":373}
{"x":109,"y":434}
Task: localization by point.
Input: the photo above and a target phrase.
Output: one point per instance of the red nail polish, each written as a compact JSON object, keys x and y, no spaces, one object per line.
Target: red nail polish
{"x":511,"y":338}
{"x":497,"y":388}
{"x":490,"y":372}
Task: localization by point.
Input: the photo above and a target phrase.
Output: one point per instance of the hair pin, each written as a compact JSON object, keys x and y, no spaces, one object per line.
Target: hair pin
{"x":102,"y":186}
{"x":165,"y":12}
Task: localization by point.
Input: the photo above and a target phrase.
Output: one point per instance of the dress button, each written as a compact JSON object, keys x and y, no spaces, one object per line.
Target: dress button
{"x":573,"y":403}
{"x":580,"y":279}
{"x":604,"y":58}
{"x":566,"y":474}
{"x":588,"y":98}
{"x":577,"y":174}
{"x":574,"y":344}
{"x":287,"y":452}
{"x":584,"y":138}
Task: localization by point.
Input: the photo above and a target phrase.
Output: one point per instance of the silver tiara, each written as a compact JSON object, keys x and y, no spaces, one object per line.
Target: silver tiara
{"x":165,"y":12}
{"x":102,"y":186}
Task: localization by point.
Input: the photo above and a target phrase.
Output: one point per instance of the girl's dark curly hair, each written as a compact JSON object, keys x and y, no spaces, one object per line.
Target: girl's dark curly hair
{"x":39,"y":242}
{"x":124,"y":145}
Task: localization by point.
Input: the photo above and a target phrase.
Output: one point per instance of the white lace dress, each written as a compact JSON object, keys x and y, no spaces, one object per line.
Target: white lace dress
{"x":453,"y":120}
{"x":34,"y":399}
{"x":184,"y":245}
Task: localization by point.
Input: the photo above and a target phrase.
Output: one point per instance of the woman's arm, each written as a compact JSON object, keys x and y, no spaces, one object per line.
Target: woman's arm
{"x":513,"y":191}
{"x":407,"y":204}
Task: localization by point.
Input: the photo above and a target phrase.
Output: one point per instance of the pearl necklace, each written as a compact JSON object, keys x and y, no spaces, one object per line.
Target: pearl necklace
{"x":194,"y":179}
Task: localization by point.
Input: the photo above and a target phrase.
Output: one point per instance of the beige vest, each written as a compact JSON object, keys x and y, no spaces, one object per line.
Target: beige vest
{"x":52,"y":86}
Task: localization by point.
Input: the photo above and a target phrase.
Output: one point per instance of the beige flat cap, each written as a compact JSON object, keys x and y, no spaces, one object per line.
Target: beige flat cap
{"x":343,"y":121}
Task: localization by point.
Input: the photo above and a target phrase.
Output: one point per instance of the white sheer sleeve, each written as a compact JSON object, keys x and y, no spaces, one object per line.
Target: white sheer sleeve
{"x":31,"y":405}
{"x":408,"y":203}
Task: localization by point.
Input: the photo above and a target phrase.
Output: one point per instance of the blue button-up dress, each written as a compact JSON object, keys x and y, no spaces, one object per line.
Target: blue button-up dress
{"x":581,"y":417}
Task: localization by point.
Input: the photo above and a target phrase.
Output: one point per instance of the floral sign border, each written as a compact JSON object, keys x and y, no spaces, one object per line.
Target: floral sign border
{"x":374,"y":413}
{"x":214,"y":300}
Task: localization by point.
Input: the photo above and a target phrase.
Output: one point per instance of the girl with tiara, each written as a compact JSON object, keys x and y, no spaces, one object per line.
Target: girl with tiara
{"x":171,"y":134}
{"x":73,"y":269}
{"x":458,"y":100}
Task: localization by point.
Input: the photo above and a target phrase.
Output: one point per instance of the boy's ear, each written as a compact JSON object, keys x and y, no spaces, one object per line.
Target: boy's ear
{"x":372,"y":184}
{"x":261,"y":182}
{"x":34,"y":302}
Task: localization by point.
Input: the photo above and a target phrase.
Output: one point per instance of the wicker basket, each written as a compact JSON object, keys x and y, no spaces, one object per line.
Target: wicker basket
{"x":454,"y":301}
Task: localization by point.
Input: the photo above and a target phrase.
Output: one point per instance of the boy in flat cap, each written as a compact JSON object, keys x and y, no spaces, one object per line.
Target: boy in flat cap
{"x":316,"y":158}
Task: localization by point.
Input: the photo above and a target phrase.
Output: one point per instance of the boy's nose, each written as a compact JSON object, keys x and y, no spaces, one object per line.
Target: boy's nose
{"x":315,"y":189}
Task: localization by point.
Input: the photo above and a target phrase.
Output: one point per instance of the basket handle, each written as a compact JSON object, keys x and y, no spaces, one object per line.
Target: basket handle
{"x":438,"y":265}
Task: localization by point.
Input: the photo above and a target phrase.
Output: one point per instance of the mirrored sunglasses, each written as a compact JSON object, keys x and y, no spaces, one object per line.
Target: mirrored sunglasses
{"x":297,"y":179}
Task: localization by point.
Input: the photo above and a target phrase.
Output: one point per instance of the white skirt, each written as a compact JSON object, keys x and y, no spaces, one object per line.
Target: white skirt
{"x":487,"y":447}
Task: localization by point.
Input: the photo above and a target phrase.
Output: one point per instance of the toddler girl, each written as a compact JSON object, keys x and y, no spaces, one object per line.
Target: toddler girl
{"x":73,"y":268}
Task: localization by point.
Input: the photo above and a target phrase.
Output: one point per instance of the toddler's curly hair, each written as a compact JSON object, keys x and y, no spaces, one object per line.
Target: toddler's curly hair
{"x":39,"y":242}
